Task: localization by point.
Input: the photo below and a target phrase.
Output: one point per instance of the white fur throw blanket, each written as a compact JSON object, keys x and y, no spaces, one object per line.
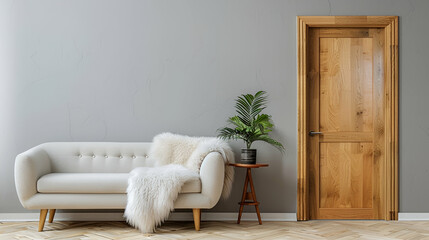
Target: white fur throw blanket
{"x":177,"y":159}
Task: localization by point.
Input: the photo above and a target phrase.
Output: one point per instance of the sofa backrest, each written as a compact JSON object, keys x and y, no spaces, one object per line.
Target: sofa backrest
{"x":102,"y":157}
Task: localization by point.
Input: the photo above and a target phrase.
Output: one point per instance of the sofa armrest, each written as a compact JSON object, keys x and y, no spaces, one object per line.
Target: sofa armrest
{"x":212,"y":174}
{"x":29,"y":167}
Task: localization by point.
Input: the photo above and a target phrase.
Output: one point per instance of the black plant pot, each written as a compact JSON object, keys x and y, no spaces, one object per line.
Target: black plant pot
{"x":248,"y":156}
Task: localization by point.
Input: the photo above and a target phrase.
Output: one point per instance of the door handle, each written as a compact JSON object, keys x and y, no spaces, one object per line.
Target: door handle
{"x":312,"y":133}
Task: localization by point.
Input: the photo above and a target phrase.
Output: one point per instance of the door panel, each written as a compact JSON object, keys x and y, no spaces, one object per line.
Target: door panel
{"x":346,"y":104}
{"x":346,"y":85}
{"x":346,"y":183}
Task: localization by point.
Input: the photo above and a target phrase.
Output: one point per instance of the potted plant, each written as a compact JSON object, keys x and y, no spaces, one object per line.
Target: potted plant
{"x":250,"y":125}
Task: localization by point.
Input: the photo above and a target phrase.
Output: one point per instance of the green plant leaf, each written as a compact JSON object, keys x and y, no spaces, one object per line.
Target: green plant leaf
{"x":238,"y":123}
{"x":227,"y":133}
{"x":263,"y":122}
{"x":271,"y":141}
{"x":250,"y":124}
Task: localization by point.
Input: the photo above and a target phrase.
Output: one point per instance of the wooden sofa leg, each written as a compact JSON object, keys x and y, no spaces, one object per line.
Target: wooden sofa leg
{"x":197,"y":218}
{"x":51,"y":215}
{"x":43,"y":213}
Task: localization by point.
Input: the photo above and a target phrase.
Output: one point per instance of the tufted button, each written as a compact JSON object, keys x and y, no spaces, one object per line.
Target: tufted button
{"x":106,"y":156}
{"x":93,"y":156}
{"x":80,"y":155}
{"x":146,"y":156}
{"x":120,"y":156}
{"x":134,"y":156}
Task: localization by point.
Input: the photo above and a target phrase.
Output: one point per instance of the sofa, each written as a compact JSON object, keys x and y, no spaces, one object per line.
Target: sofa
{"x":94,"y":175}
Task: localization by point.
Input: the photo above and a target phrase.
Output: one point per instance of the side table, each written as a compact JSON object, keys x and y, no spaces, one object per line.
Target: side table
{"x":249,"y":198}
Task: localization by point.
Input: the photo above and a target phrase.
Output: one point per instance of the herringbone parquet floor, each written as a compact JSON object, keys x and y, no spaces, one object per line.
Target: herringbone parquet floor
{"x":222,"y":230}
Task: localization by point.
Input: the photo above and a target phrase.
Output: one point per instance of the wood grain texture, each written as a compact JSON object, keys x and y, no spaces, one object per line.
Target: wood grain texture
{"x":42,"y":219}
{"x":346,"y":176}
{"x":253,"y":194}
{"x":249,"y":198}
{"x":308,"y":230}
{"x":197,"y":218}
{"x":243,"y":198}
{"x":51,"y":215}
{"x":246,"y":165}
{"x":391,"y":93}
{"x":342,"y":107}
{"x":349,"y":136}
{"x":302,"y":181}
{"x":343,"y":32}
{"x":379,"y":123}
{"x":389,"y":27}
{"x":314,"y":114}
{"x":347,"y":21}
{"x":347,"y":213}
{"x":346,"y":84}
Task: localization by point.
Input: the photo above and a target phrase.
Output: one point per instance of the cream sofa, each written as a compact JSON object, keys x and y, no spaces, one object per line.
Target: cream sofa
{"x":93,"y":175}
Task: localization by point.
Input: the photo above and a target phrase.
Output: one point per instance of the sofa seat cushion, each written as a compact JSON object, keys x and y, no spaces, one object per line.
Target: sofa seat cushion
{"x":95,"y":183}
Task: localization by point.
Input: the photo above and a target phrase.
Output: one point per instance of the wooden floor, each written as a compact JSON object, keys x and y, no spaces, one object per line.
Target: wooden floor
{"x":222,"y":230}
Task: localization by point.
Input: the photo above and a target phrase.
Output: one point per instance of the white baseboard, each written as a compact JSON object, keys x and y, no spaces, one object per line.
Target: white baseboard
{"x":413,"y":216}
{"x":175,"y":216}
{"x":181,"y":216}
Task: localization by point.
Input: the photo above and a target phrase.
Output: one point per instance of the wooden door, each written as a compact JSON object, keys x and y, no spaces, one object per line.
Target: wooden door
{"x":346,"y":112}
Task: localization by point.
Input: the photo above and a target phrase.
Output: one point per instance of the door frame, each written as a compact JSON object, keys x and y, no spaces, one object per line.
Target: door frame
{"x":390,"y":25}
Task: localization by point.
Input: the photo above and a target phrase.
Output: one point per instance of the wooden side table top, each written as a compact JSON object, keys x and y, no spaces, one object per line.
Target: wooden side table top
{"x":246,"y":165}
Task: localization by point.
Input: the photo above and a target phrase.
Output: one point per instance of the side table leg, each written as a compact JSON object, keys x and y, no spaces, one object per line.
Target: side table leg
{"x":252,"y":189}
{"x":243,"y":198}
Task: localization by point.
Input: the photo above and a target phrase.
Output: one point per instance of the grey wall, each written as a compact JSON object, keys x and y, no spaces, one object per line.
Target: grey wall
{"x":104,"y":70}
